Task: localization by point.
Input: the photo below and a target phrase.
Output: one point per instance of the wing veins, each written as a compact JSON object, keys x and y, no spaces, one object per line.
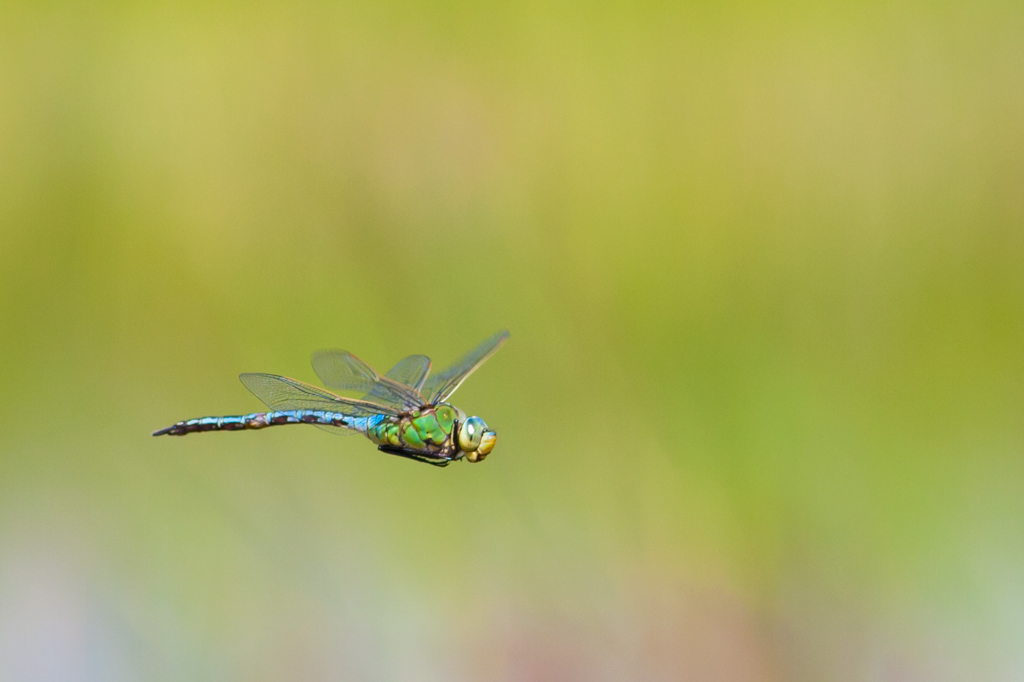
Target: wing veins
{"x":343,"y":371}
{"x":441,"y":386}
{"x":283,"y":393}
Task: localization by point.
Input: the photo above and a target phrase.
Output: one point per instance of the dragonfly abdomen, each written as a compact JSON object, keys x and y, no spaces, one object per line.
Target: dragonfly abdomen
{"x":257,"y":420}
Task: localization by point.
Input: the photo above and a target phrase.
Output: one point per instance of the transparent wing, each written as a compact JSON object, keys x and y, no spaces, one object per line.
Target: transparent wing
{"x":411,"y":371}
{"x":440,"y":387}
{"x":342,"y":371}
{"x":335,"y":430}
{"x":282,"y":393}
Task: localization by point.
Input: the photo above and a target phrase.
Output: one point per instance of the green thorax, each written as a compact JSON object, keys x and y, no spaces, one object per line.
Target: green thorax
{"x":427,"y":430}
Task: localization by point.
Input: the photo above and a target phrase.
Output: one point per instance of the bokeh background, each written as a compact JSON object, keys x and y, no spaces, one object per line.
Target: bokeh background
{"x":761,"y":415}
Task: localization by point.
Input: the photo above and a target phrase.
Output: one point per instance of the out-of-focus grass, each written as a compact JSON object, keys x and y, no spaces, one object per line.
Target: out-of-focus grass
{"x":760,"y":415}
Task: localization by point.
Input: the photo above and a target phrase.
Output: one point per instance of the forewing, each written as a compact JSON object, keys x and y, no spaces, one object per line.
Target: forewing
{"x":440,"y":387}
{"x":342,"y":371}
{"x":282,"y":393}
{"x":411,"y":371}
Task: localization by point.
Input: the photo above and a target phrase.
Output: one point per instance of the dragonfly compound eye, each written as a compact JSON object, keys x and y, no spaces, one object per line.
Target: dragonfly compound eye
{"x":470,"y":434}
{"x":486,"y":445}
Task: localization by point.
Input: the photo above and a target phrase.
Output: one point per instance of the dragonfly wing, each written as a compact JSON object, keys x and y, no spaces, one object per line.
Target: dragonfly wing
{"x":282,"y":393}
{"x":342,"y":371}
{"x":441,"y":386}
{"x":335,"y":430}
{"x":411,"y":371}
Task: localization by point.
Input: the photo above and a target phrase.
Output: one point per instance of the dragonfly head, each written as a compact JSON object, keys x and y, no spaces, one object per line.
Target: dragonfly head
{"x":475,"y":439}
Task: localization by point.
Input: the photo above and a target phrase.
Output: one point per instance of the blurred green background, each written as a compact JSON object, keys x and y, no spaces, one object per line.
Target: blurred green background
{"x":761,"y":416}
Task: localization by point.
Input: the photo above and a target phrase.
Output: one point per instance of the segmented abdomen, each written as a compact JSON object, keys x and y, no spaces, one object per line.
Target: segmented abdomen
{"x":258,"y":420}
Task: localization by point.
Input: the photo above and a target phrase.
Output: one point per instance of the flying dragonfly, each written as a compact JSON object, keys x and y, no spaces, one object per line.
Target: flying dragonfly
{"x":405,"y":412}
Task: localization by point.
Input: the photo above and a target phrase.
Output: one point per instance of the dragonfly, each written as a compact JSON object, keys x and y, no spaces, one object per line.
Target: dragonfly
{"x":405,"y":412}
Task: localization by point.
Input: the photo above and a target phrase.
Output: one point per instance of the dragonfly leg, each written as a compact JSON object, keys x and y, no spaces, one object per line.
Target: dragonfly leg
{"x":399,"y":452}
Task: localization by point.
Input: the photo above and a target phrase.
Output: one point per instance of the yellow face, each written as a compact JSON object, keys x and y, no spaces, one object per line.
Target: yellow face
{"x":475,"y":439}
